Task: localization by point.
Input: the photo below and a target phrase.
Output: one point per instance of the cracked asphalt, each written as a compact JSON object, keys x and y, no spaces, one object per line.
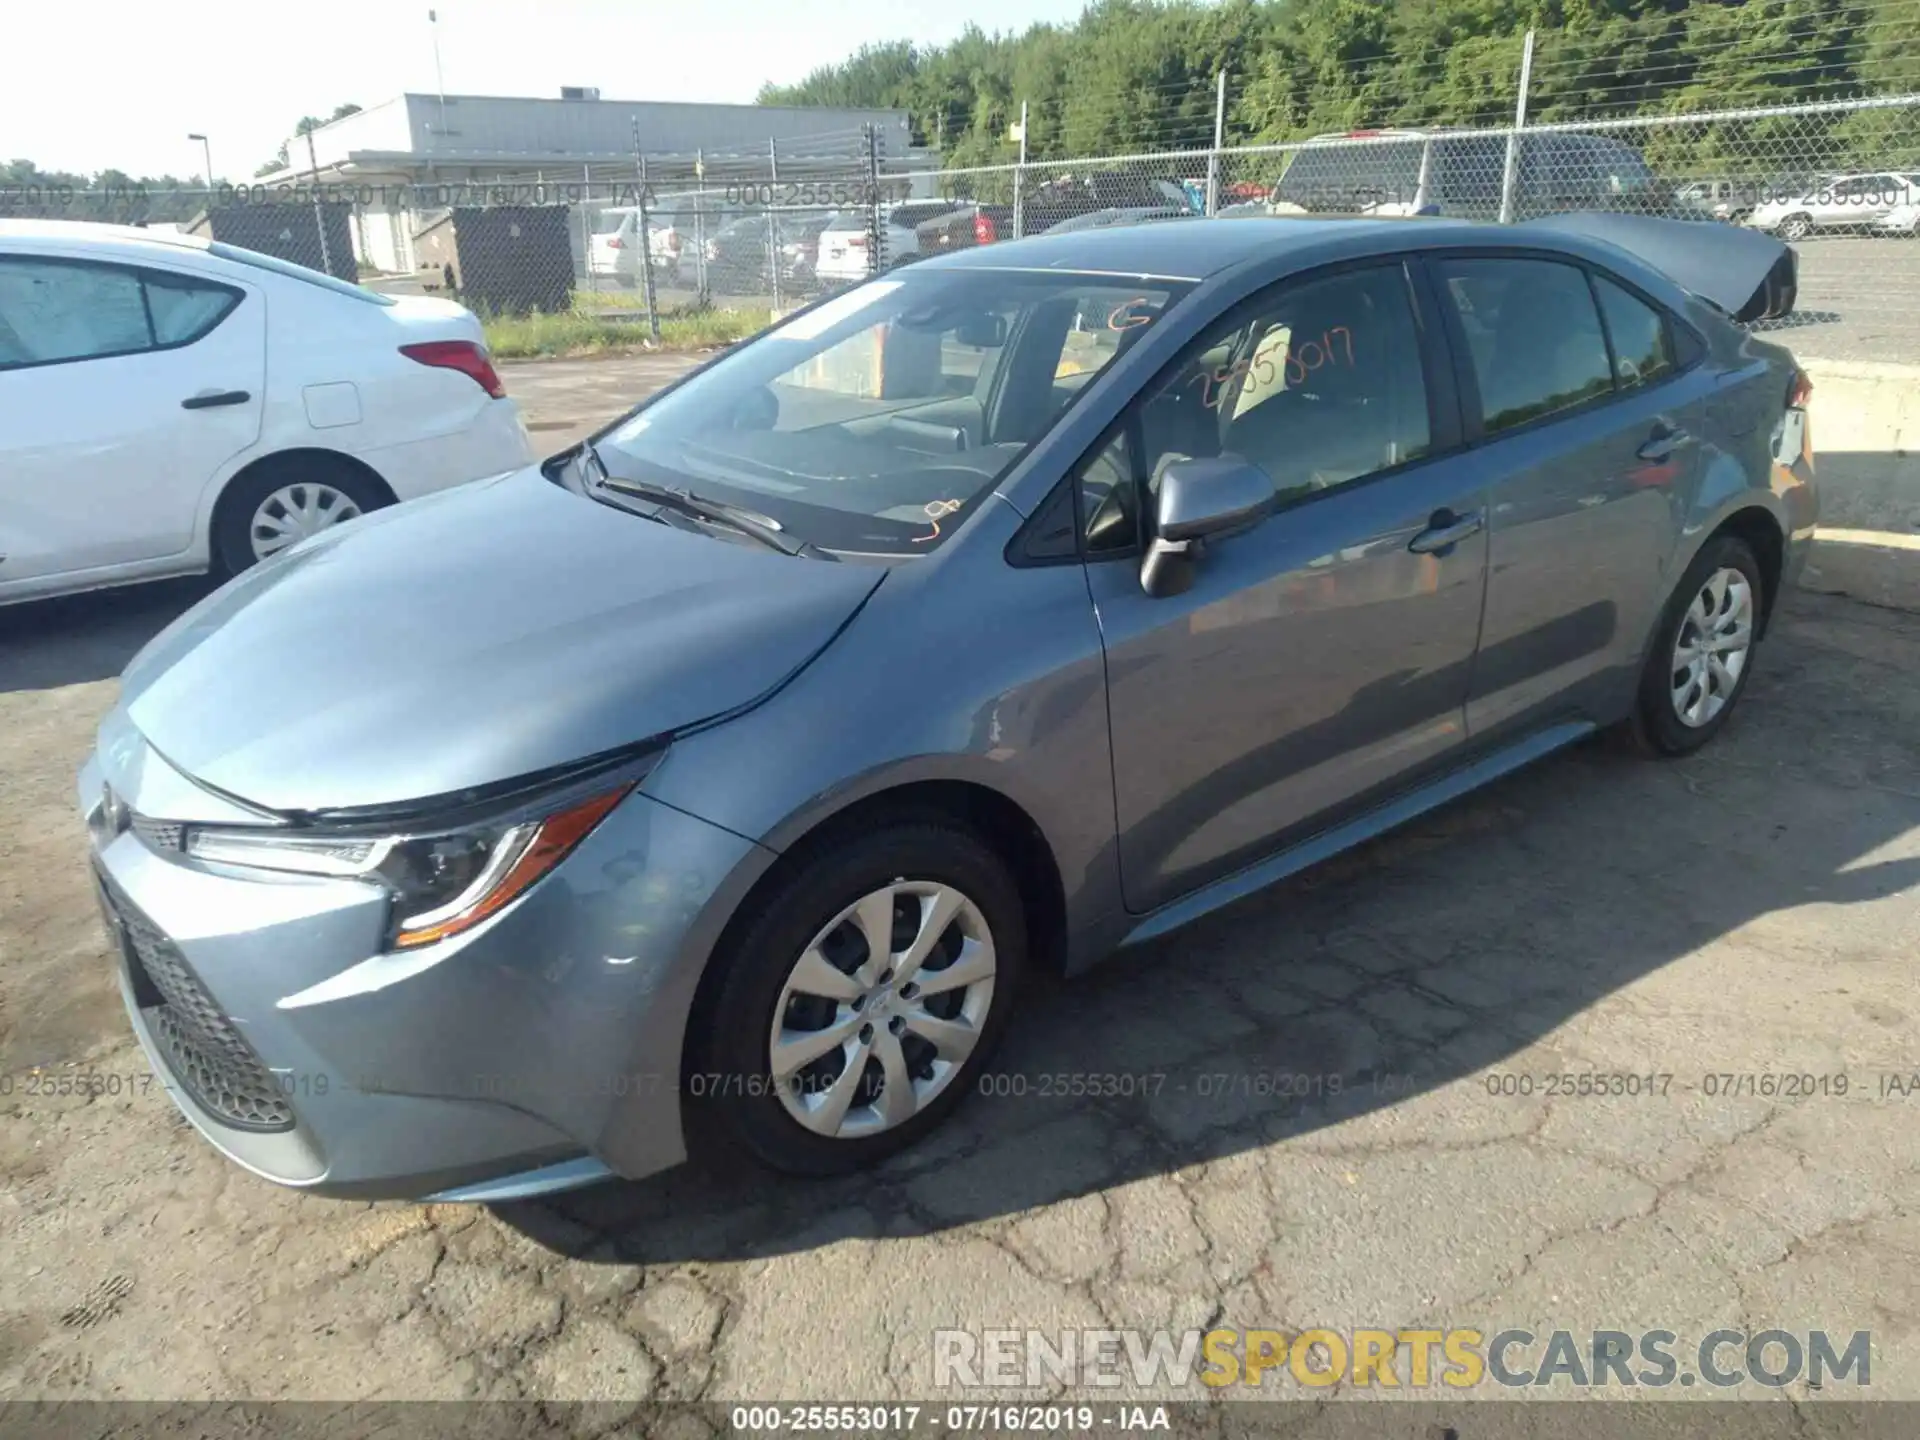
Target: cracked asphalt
{"x":1327,"y":1107}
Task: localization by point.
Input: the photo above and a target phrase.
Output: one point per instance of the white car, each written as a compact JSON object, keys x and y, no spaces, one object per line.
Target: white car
{"x":614,"y":249}
{"x":844,"y":243}
{"x":1902,"y":220}
{"x":1841,"y":202}
{"x":170,"y":405}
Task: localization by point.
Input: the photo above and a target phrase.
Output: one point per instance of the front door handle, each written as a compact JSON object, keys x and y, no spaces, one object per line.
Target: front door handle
{"x":210,"y":398}
{"x":1444,"y":531}
{"x":1661,"y":443}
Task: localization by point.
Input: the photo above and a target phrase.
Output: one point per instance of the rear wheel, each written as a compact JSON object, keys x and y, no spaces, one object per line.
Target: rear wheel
{"x":1704,"y":652}
{"x":859,"y":1004}
{"x":279,"y":504}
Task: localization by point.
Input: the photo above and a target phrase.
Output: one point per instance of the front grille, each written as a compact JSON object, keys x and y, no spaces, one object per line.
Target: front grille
{"x":159,"y":834}
{"x":206,"y":1054}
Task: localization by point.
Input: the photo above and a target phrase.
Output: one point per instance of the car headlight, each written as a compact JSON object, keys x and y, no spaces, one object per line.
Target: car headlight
{"x":443,"y":880}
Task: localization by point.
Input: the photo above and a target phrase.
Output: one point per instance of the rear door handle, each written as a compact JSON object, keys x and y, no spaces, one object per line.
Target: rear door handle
{"x":211,"y":398}
{"x":1444,"y":531}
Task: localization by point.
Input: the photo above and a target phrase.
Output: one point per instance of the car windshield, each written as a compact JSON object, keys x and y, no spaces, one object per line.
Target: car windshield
{"x":877,"y":420}
{"x":610,"y":221}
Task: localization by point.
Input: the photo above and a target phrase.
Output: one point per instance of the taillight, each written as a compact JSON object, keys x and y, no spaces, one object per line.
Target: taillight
{"x":856,"y":242}
{"x":616,"y":243}
{"x":1799,"y":390}
{"x":984,"y":230}
{"x":465,"y":356}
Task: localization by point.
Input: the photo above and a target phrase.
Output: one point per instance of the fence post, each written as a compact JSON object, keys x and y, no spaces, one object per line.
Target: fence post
{"x":646,"y":236}
{"x":1513,"y":137}
{"x":1219,"y":143}
{"x":586,"y":223}
{"x":702,"y":297}
{"x":773,"y":228}
{"x":876,"y":233}
{"x":319,"y":215}
{"x":1020,"y":178}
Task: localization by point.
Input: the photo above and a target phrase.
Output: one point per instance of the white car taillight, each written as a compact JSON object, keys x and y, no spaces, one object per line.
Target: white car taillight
{"x":468,"y":358}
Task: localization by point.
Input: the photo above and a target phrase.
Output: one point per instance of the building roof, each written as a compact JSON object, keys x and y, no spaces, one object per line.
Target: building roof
{"x":414,"y":132}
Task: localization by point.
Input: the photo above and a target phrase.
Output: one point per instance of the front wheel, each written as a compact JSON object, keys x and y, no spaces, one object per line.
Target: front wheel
{"x":1704,"y":651}
{"x":1796,"y":227}
{"x":858,"y":1005}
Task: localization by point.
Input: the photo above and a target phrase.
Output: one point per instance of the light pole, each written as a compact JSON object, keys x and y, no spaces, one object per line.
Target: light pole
{"x":207,"y":151}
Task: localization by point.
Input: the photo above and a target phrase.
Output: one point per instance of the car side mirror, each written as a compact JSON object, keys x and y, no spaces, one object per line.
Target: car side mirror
{"x":1201,"y":500}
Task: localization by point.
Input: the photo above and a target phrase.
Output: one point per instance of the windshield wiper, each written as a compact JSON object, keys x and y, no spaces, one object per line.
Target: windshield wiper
{"x":715,"y":512}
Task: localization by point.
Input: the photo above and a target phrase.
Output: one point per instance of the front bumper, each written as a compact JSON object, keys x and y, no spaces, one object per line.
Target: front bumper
{"x":539,"y":1050}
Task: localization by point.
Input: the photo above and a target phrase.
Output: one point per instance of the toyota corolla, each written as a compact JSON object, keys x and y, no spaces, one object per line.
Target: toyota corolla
{"x":723,"y":775}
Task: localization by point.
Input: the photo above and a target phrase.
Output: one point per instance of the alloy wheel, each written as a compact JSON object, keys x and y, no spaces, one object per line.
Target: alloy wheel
{"x":882,"y":1008}
{"x":293,"y":512}
{"x":1710,"y":652}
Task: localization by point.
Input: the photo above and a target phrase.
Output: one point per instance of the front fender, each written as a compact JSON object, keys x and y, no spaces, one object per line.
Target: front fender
{"x":960,"y":669}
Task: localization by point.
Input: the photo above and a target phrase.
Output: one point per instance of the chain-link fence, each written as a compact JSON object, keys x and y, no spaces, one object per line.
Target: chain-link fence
{"x":627,"y":242}
{"x":600,"y":245}
{"x":1839,"y":180}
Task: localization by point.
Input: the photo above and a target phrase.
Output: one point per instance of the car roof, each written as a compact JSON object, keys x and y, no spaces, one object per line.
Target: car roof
{"x":88,"y":234}
{"x":1193,"y":251}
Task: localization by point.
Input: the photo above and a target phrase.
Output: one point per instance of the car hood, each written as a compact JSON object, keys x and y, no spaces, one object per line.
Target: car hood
{"x":1749,"y":275}
{"x":472,"y":637}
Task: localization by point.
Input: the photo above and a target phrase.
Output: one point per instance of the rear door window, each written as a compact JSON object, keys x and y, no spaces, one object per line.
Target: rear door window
{"x":55,"y":310}
{"x":1533,"y":335}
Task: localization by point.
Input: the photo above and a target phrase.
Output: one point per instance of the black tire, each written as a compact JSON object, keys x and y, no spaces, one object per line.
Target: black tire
{"x":1796,"y":227}
{"x":1655,"y":728}
{"x":729,"y":1088}
{"x":233,"y":546}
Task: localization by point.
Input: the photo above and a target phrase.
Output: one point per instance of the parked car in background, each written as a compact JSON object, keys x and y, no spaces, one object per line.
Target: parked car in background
{"x":614,"y":249}
{"x":1901,"y":220}
{"x":1432,"y":172}
{"x":1731,"y":201}
{"x":742,"y":254}
{"x":598,"y":840}
{"x":170,"y":405}
{"x":1841,"y":202}
{"x":1049,"y":205}
{"x":844,"y":244}
{"x":1133,"y":215}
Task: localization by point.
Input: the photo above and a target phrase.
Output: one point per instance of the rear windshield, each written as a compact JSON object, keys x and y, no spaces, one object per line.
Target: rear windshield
{"x":610,"y":222}
{"x":292,"y":271}
{"x":1349,"y":176}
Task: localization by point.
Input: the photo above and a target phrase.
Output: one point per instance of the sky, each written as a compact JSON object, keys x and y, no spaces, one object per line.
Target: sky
{"x":143,"y":76}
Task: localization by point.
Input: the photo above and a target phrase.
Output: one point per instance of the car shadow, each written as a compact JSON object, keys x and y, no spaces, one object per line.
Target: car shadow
{"x":75,"y":639}
{"x":1476,"y":937}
